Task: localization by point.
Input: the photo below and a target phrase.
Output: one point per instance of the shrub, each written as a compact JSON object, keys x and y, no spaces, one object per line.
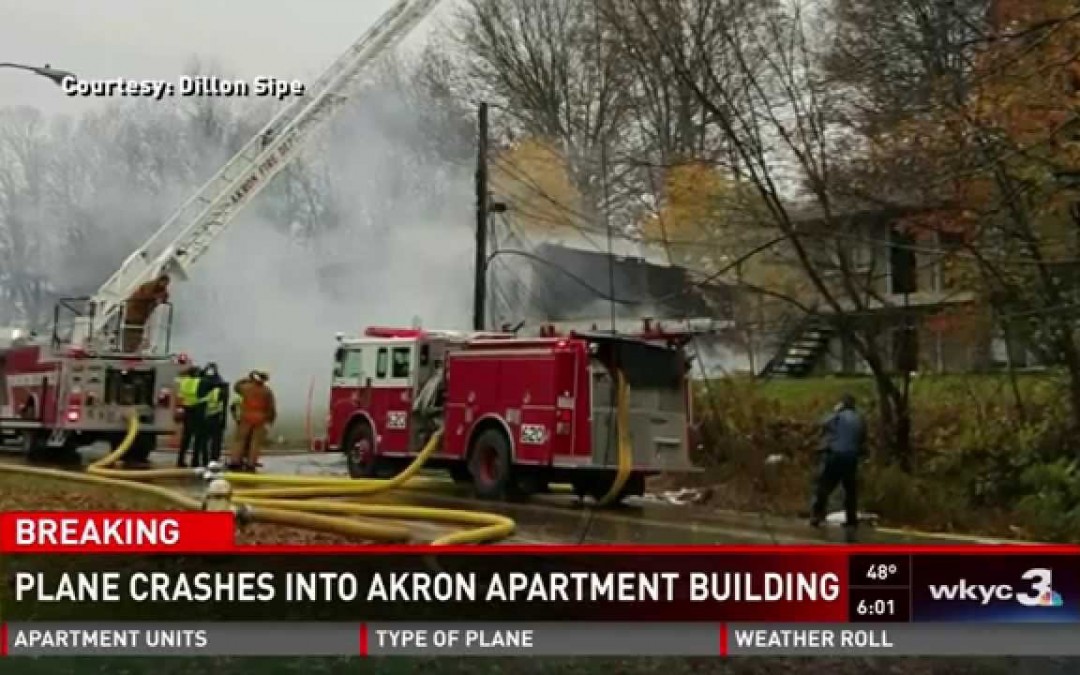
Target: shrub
{"x":981,"y":465}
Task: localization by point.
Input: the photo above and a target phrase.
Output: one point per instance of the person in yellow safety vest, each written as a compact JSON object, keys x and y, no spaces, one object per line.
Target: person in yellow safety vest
{"x":217,"y":397}
{"x":194,"y":413}
{"x":257,"y":412}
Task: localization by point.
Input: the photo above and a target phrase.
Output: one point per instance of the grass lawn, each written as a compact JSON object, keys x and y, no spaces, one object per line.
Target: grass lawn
{"x":823,"y":392}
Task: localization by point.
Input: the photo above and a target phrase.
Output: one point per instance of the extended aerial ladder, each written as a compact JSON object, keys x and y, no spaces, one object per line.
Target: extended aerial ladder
{"x":187,"y":235}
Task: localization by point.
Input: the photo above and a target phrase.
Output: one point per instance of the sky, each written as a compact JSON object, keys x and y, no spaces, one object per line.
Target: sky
{"x":156,"y":39}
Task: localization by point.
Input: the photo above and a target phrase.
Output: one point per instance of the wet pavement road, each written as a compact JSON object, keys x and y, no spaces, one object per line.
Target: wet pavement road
{"x":560,"y":519}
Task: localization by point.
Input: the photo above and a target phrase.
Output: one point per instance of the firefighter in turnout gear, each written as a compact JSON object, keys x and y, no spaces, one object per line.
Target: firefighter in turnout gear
{"x":256,"y":413}
{"x":194,"y":414}
{"x":140,"y":306}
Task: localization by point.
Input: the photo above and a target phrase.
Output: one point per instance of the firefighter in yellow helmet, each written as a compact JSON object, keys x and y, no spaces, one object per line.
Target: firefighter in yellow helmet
{"x":256,"y":412}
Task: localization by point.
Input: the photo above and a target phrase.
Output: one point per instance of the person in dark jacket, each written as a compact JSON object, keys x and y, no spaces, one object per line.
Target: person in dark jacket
{"x":844,"y":434}
{"x":217,"y":402}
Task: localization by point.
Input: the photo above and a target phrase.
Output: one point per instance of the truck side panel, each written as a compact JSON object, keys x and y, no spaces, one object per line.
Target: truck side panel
{"x":344,"y":401}
{"x":390,"y":408}
{"x":528,"y":398}
{"x":658,"y":425}
{"x":530,"y":383}
{"x":473,"y":389}
{"x":99,"y":395}
{"x":574,"y":409}
{"x":30,"y":376}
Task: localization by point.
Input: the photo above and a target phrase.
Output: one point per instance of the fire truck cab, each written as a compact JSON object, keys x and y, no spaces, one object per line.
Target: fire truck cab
{"x":517,"y":413}
{"x":56,"y":397}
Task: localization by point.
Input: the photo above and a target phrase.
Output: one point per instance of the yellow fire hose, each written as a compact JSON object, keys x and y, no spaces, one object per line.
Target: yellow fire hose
{"x":272,"y":506}
{"x":173,"y":496}
{"x":622,"y":424}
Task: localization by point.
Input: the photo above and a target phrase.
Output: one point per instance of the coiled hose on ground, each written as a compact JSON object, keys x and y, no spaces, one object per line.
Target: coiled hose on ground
{"x":288,"y":500}
{"x":281,"y":506}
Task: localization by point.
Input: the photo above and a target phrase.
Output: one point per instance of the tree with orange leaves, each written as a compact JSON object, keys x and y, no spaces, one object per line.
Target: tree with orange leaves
{"x":704,"y":219}
{"x":1022,"y":126}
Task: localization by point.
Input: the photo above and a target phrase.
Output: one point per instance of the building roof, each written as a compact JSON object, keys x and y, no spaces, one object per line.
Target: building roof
{"x":575,"y":284}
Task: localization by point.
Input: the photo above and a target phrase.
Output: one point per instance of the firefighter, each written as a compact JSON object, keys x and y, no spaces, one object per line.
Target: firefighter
{"x":194,"y":414}
{"x":257,"y":412}
{"x":217,"y":398}
{"x":140,"y":306}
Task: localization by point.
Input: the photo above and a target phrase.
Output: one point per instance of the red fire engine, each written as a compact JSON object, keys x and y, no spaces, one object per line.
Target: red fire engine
{"x":517,"y":413}
{"x":56,"y":396}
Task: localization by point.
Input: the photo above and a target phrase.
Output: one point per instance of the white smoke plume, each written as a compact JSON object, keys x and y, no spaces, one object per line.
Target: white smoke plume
{"x":400,"y":249}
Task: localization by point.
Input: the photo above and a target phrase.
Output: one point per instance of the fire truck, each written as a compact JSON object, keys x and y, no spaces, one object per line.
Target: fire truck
{"x":517,"y":413}
{"x":56,"y":396}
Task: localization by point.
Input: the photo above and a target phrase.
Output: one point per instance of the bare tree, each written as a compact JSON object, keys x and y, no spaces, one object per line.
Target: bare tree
{"x":24,"y":242}
{"x":550,"y":68}
{"x":900,"y":58}
{"x":775,"y":112}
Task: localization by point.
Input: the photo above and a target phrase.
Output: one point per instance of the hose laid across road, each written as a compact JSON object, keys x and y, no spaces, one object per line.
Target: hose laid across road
{"x":281,"y":506}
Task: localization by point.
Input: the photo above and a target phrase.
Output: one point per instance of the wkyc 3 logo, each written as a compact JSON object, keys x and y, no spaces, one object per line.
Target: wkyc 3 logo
{"x":1039,"y":593}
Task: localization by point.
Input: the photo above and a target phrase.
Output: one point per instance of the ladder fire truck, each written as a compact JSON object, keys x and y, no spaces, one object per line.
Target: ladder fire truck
{"x":516,"y":413}
{"x":80,"y":384}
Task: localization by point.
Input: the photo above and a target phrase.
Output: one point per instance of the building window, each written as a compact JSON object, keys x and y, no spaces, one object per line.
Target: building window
{"x":903,"y":269}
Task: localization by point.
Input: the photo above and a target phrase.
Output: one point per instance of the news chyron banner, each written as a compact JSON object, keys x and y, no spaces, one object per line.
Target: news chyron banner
{"x":177,"y":584}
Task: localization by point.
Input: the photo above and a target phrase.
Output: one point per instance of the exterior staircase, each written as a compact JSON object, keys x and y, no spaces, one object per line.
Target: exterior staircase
{"x":800,"y":351}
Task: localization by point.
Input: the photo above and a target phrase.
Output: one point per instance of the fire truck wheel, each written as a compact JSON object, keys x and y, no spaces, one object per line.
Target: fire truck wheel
{"x":359,"y":448}
{"x":33,"y":443}
{"x":490,"y":465}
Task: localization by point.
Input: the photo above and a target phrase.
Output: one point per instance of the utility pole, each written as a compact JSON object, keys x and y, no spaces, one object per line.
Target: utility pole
{"x":482,"y":204}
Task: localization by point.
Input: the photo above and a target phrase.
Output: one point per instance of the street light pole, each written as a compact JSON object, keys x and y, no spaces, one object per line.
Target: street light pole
{"x":57,"y":76}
